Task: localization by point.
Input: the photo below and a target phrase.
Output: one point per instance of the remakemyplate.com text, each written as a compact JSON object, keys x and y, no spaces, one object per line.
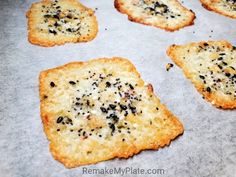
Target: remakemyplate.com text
{"x":123,"y":171}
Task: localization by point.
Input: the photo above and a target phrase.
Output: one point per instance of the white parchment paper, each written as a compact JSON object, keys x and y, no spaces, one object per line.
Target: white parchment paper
{"x":208,"y":145}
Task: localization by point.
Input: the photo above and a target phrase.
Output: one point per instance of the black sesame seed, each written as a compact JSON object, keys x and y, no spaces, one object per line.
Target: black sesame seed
{"x":69,"y":120}
{"x":59,"y":119}
{"x":220,"y":66}
{"x":227,"y":74}
{"x":224,"y":63}
{"x":201,"y":76}
{"x":222,"y":54}
{"x":88,"y":102}
{"x":56,"y":16}
{"x":208,"y":89}
{"x":78,"y":104}
{"x":72,"y":82}
{"x":108,"y":84}
{"x":104,"y":110}
{"x":52,"y":84}
{"x":52,"y":31}
{"x":69,"y":29}
{"x":123,"y":107}
{"x":112,"y":106}
{"x":131,"y":87}
{"x":47,"y":16}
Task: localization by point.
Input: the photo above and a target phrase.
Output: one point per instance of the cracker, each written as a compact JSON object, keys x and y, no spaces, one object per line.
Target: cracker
{"x":101,"y":109}
{"x":223,"y":7}
{"x":211,"y":66}
{"x":58,"y":22}
{"x":169,"y":15}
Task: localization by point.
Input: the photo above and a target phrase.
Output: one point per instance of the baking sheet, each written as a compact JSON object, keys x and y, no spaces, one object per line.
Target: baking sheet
{"x":208,"y":145}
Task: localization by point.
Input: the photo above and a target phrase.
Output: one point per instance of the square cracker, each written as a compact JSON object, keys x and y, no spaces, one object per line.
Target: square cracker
{"x":58,"y":22}
{"x":169,"y":15}
{"x":223,"y":7}
{"x":211,"y":66}
{"x":101,"y":109}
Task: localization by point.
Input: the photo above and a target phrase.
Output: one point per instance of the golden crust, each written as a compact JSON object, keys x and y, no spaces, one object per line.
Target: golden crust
{"x":38,"y":38}
{"x":120,"y":6}
{"x":177,"y":52}
{"x":164,"y":128}
{"x":212,"y":5}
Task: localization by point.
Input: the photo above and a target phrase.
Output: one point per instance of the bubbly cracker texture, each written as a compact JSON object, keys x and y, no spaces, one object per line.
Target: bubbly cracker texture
{"x":211,"y":66}
{"x":101,"y":109}
{"x":166,"y":14}
{"x":223,"y":7}
{"x":57,"y":22}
